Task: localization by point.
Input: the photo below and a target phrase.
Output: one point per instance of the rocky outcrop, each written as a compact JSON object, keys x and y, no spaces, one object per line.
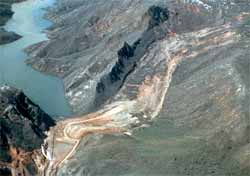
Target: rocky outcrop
{"x":5,"y":13}
{"x":158,"y":15}
{"x":129,"y":56}
{"x":8,"y":37}
{"x":22,"y":131}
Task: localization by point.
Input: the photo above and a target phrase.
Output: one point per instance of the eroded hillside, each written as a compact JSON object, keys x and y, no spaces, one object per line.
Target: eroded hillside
{"x":168,"y":88}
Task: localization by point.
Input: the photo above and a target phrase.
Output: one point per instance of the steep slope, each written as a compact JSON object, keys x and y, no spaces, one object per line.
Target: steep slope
{"x":129,"y":56}
{"x":100,"y":31}
{"x":183,"y":109}
{"x":203,"y":127}
{"x":22,"y":131}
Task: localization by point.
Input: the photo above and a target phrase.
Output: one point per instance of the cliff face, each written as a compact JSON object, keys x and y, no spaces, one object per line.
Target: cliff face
{"x":22,"y":131}
{"x":129,"y":56}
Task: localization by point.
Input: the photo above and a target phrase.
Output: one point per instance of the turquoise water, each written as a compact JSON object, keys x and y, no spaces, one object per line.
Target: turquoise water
{"x":46,"y":91}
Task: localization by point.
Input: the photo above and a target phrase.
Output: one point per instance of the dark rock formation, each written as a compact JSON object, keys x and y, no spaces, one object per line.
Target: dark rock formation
{"x":110,"y":84}
{"x":158,"y":15}
{"x":5,"y":12}
{"x":128,"y":55}
{"x":8,"y":37}
{"x":22,"y":128}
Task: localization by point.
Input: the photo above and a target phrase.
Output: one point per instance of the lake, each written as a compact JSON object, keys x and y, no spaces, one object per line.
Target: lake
{"x":46,"y":91}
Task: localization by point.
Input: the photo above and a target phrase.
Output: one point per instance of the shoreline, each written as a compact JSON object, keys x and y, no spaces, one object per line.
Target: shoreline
{"x":7,"y":37}
{"x":180,"y":111}
{"x":15,"y":56}
{"x":48,"y":12}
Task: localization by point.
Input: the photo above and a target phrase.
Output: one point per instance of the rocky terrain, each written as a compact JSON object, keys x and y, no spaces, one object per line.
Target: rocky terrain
{"x":5,"y":14}
{"x":8,"y":37}
{"x":160,"y":87}
{"x":102,"y":28}
{"x":22,"y":131}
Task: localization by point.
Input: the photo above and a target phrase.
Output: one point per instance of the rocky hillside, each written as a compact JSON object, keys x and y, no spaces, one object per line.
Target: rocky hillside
{"x":169,"y":78}
{"x":99,"y":32}
{"x":7,"y":36}
{"x":22,"y":131}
